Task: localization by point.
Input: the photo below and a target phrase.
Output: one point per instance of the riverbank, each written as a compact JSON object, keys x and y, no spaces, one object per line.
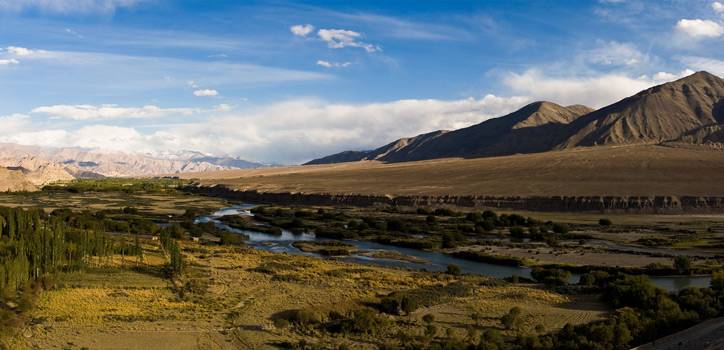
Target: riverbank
{"x":580,"y":204}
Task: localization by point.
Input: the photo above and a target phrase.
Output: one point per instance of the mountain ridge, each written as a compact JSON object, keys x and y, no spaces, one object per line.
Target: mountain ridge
{"x":686,"y":111}
{"x":82,"y":163}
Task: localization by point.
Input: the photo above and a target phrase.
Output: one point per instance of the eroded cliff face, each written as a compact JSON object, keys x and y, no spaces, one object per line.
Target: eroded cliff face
{"x":593,"y":204}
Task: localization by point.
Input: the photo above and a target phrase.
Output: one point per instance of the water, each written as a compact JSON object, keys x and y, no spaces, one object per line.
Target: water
{"x":436,"y":261}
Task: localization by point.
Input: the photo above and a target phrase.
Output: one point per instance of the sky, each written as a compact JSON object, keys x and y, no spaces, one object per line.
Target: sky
{"x":286,"y":82}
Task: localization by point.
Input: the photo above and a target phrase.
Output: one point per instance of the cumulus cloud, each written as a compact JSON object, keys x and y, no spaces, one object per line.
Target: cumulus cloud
{"x":718,"y":7}
{"x":664,"y":77}
{"x":301,"y":30}
{"x":334,"y":64}
{"x":83,"y":112}
{"x":596,"y":92}
{"x":9,"y":61}
{"x":340,"y":38}
{"x":698,"y":28}
{"x":206,"y":92}
{"x":67,"y":6}
{"x":290,"y":132}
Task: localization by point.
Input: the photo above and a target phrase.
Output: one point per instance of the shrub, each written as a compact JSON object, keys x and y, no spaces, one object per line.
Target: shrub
{"x":605,"y":222}
{"x":561,"y":228}
{"x":517,"y":231}
{"x":454,"y":269}
{"x":513,"y":319}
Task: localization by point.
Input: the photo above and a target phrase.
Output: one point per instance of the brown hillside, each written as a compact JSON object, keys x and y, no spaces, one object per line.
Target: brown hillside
{"x":662,"y":113}
{"x":14,"y":180}
{"x":639,"y":170}
{"x":527,"y":130}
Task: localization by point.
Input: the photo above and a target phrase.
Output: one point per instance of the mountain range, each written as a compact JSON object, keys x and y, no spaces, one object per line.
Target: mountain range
{"x":684,"y":112}
{"x":30,"y":167}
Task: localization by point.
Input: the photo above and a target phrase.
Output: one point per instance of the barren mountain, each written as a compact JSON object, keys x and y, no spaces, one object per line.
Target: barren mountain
{"x":36,"y":170}
{"x":82,"y":163}
{"x":524,"y":131}
{"x":14,"y":180}
{"x":662,"y":113}
{"x":341,"y":157}
{"x":686,"y":111}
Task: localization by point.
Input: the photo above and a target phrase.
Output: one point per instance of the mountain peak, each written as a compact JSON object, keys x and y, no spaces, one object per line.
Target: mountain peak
{"x":659,"y":114}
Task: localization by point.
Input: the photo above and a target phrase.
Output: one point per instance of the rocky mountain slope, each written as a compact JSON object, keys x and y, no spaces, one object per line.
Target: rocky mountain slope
{"x":82,"y":163}
{"x":37,"y":171}
{"x":14,"y":180}
{"x":664,"y":113}
{"x":686,"y":111}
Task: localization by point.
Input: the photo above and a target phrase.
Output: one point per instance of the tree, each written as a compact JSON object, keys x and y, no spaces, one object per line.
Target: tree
{"x":717,"y":281}
{"x":428,"y":318}
{"x":408,"y":305}
{"x":682,"y":263}
{"x":513,"y":319}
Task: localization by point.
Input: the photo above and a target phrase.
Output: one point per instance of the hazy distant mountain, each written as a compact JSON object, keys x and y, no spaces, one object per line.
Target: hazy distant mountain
{"x":82,"y":163}
{"x":689,"y":110}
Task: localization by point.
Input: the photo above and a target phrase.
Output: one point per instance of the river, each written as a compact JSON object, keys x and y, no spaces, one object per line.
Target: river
{"x":436,"y":261}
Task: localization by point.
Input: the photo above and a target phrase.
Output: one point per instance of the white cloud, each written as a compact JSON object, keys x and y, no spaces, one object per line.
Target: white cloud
{"x":664,"y":77}
{"x":222,"y":108}
{"x":67,"y":6}
{"x":302,"y":30}
{"x":718,"y":7}
{"x":20,"y":51}
{"x":83,"y":112}
{"x":615,"y":54}
{"x":340,"y":38}
{"x":710,"y":65}
{"x":699,"y":28}
{"x":291,"y":132}
{"x":595,"y":92}
{"x":7,"y":62}
{"x":206,"y":92}
{"x":336,"y":65}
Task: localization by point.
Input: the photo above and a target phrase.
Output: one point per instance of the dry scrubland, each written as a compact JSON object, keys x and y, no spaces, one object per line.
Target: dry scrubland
{"x":642,"y":170}
{"x":230,"y":299}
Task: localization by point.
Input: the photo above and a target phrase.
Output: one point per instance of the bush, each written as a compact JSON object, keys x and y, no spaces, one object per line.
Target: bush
{"x":561,"y":228}
{"x":550,"y":277}
{"x":513,"y":319}
{"x":517,"y":231}
{"x":454,"y":269}
{"x":605,"y":222}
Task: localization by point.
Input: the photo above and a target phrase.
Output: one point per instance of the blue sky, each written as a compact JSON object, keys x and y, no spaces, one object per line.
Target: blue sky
{"x":290,"y":81}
